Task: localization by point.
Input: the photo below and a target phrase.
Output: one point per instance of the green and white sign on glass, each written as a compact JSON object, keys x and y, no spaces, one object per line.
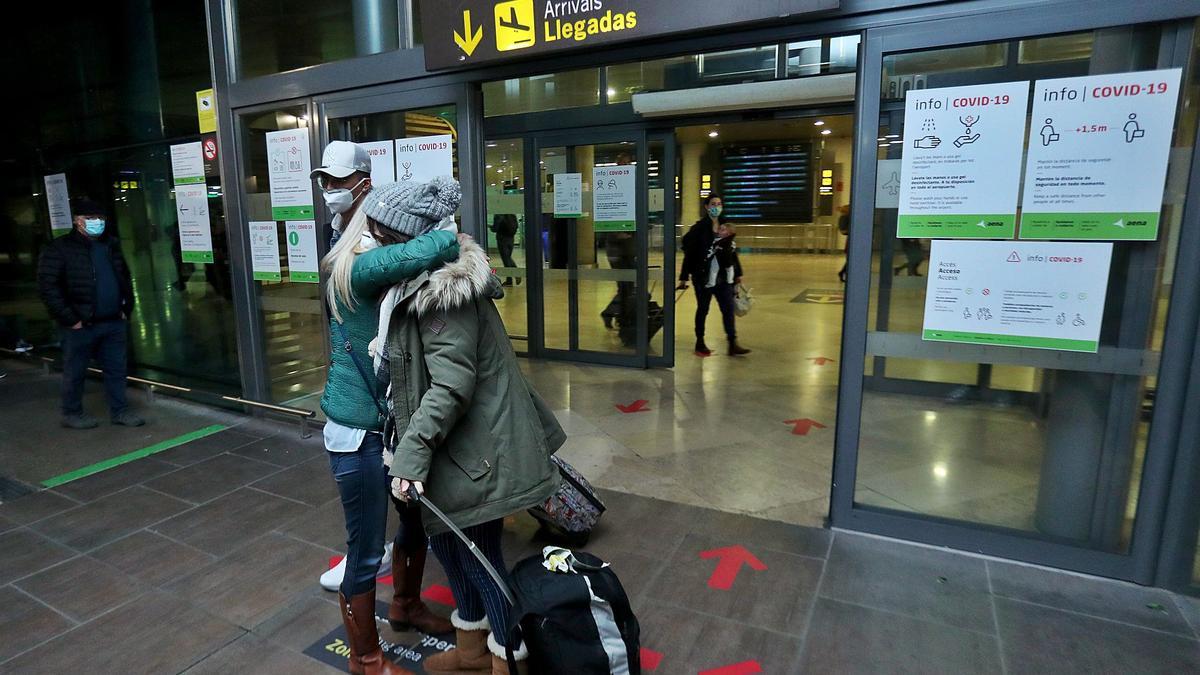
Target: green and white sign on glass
{"x":1098,"y":151}
{"x":288,"y":166}
{"x":614,"y":198}
{"x":302,"y":252}
{"x":1044,"y":295}
{"x":264,"y":251}
{"x":961,"y":169}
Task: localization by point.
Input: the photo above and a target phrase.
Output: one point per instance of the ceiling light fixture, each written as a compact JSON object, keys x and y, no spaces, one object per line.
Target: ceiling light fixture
{"x":826,"y":132}
{"x":713,"y":134}
{"x":819,"y":123}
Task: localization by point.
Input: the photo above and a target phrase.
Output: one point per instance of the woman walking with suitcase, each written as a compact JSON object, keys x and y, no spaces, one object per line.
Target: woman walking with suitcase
{"x":472,"y":434}
{"x":361,"y":266}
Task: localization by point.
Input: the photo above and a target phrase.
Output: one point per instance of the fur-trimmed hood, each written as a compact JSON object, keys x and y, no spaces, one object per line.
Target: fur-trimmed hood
{"x":454,"y":284}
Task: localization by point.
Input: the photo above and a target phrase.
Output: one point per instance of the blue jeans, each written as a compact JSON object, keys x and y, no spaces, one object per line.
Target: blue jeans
{"x":724,"y":294}
{"x":105,"y":342}
{"x":362,"y":481}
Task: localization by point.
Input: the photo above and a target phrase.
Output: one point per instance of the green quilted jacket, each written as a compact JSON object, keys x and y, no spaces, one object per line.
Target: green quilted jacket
{"x":347,"y":400}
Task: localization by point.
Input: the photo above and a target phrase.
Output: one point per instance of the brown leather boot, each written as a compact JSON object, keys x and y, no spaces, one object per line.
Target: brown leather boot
{"x":366,"y":656}
{"x":470,"y":655}
{"x":735,"y":349}
{"x":407,"y":609}
{"x":500,"y":658}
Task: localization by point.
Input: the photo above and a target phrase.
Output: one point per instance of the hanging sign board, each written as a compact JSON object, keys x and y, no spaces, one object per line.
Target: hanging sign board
{"x":568,"y":195}
{"x":187,"y":163}
{"x":463,"y":33}
{"x":383,"y":161}
{"x":264,"y":251}
{"x":288,"y":168}
{"x":1098,"y":152}
{"x":1044,"y":295}
{"x":302,"y":252}
{"x":961,"y":169}
{"x":423,"y":158}
{"x":58,"y":201}
{"x":614,"y":198}
{"x":195,"y":230}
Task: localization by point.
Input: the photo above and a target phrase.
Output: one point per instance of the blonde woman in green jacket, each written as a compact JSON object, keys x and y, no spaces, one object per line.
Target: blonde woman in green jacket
{"x":367,"y":260}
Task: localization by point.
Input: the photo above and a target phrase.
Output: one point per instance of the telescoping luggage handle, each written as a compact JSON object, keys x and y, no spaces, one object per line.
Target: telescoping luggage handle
{"x":419,"y":498}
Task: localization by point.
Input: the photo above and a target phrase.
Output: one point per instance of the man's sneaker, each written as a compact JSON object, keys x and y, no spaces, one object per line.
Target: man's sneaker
{"x":128,"y":419}
{"x":331,"y":580}
{"x":80,"y":422}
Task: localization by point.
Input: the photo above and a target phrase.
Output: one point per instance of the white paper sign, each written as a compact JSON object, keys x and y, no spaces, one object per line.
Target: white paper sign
{"x":187,"y":163}
{"x":302,"y":252}
{"x":264,"y":251}
{"x":421,"y":159}
{"x":887,"y":184}
{"x":1098,"y":152}
{"x":58,"y":201}
{"x":195,"y":230}
{"x":568,"y":195}
{"x":961,"y":169}
{"x":383,"y":161}
{"x":614,"y":198}
{"x":1044,"y":295}
{"x":288,"y":169}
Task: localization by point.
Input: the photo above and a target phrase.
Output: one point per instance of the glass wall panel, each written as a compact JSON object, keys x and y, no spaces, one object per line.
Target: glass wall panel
{"x":273,"y":37}
{"x":808,"y":58}
{"x":571,"y":89}
{"x":106,"y":117}
{"x":293,"y":318}
{"x":504,"y":167}
{"x":1053,"y":450}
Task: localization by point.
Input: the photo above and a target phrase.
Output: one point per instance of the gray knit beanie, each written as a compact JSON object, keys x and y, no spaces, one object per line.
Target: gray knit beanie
{"x":413,"y":208}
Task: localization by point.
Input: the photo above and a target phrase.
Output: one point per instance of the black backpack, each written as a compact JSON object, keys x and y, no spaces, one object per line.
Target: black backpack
{"x":576,"y":621}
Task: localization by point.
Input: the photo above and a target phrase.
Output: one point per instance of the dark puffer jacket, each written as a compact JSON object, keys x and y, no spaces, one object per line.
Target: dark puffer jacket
{"x":67,"y":281}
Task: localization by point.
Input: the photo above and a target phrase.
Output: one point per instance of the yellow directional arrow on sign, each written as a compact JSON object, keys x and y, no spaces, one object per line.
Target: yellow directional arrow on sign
{"x":472,"y":40}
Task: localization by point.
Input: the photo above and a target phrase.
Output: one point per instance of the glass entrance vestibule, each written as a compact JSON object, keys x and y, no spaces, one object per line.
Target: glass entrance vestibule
{"x":1076,"y":459}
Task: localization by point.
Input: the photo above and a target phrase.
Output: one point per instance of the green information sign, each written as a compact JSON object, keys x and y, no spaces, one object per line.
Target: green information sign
{"x":305,"y":277}
{"x":197,"y":256}
{"x":268,"y":276}
{"x":1063,"y":344}
{"x":292,"y":212}
{"x":1101,"y":226}
{"x":957,"y":226}
{"x":615,"y":226}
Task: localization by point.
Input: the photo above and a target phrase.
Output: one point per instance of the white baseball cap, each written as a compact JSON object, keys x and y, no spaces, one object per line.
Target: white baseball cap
{"x":342,"y":158}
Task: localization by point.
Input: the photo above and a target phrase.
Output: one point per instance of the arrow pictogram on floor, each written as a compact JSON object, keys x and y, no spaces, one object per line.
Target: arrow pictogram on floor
{"x":804,"y":425}
{"x":820,"y":360}
{"x":730,"y":560}
{"x":743,"y":668}
{"x":637,"y":406}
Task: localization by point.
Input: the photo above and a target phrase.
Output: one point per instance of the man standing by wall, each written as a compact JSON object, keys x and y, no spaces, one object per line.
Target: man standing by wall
{"x":86,"y":286}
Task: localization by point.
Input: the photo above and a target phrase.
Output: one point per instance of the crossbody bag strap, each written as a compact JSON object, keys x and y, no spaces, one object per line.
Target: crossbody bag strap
{"x":362,"y":370}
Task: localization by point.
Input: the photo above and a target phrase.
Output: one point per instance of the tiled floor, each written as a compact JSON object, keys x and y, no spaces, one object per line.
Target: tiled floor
{"x":175,"y":575}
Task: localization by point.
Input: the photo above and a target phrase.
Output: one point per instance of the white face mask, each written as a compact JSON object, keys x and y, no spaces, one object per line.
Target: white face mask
{"x":342,"y":200}
{"x":367,"y":242}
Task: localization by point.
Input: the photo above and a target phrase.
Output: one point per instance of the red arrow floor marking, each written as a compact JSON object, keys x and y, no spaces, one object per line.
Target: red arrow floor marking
{"x":731,"y":559}
{"x":637,"y":406}
{"x":440,"y":594}
{"x":651,"y":659}
{"x":743,"y":668}
{"x":821,"y":360}
{"x":804,"y":425}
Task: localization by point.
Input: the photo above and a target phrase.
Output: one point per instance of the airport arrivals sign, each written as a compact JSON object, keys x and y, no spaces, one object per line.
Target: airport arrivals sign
{"x":464,"y":33}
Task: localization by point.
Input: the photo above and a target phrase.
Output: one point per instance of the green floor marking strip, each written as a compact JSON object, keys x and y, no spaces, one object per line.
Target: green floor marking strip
{"x":131,"y":456}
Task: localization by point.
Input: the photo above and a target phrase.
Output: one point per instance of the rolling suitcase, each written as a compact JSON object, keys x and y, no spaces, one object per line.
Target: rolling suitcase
{"x":570,"y":514}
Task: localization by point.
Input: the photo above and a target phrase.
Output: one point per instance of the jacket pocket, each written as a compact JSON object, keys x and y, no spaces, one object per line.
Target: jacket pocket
{"x":471,"y":463}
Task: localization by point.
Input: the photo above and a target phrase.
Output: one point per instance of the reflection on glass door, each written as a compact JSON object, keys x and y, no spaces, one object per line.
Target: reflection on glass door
{"x":504,"y":171}
{"x":591,"y":240}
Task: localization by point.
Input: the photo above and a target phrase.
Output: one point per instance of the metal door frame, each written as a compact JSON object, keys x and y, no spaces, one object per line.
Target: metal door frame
{"x":1139,"y":564}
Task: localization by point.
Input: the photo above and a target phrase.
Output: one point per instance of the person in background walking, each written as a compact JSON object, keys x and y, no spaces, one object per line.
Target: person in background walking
{"x":472,"y":434}
{"x":361,"y":266}
{"x":86,"y":286}
{"x":914,"y":255}
{"x":844,"y":228}
{"x":504,"y":226}
{"x":710,"y":261}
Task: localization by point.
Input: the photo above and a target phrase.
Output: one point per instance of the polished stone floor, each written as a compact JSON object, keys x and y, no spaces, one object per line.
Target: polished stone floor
{"x":204,"y":559}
